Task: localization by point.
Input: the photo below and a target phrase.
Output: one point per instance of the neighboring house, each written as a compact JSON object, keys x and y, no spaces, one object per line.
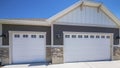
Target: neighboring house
{"x":86,"y":31}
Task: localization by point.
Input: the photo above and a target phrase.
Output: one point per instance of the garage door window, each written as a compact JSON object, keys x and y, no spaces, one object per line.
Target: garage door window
{"x":73,"y":36}
{"x":16,"y":35}
{"x":102,"y":36}
{"x":85,"y":36}
{"x":25,"y":36}
{"x":97,"y":36}
{"x":41,"y":36}
{"x":108,"y":37}
{"x":67,"y":36}
{"x":92,"y":36}
{"x":79,"y":36}
{"x":33,"y":36}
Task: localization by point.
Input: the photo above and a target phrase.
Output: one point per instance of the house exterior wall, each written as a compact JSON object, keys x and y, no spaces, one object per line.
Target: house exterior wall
{"x":6,"y":28}
{"x":90,"y":16}
{"x":58,"y":29}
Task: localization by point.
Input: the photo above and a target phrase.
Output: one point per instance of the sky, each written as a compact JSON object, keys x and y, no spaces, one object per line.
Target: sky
{"x":45,"y":8}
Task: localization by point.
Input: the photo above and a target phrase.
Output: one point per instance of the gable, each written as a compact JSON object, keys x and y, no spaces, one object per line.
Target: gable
{"x":88,"y":16}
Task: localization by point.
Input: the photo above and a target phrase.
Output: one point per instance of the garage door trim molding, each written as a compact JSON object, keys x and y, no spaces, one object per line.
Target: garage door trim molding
{"x":11,"y":41}
{"x":95,"y":33}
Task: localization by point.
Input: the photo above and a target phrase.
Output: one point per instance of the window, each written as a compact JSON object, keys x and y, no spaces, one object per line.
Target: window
{"x":73,"y":36}
{"x":25,"y":36}
{"x":33,"y":36}
{"x":91,"y":36}
{"x":97,"y":36}
{"x":79,"y":36}
{"x":67,"y":36}
{"x":102,"y":36}
{"x":41,"y":36}
{"x":85,"y":36}
{"x":16,"y":35}
{"x":107,"y":36}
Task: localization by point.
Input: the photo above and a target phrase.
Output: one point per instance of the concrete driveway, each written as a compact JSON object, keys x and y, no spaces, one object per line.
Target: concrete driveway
{"x":102,"y":64}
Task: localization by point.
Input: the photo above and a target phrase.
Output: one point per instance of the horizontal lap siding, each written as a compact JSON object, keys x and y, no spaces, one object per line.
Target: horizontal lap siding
{"x":6,"y":28}
{"x":58,"y":29}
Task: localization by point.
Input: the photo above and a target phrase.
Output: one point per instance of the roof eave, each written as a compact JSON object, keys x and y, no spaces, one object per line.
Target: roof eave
{"x":24,"y":22}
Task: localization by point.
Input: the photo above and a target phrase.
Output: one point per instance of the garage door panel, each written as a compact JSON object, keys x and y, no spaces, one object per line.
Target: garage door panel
{"x":28,"y":47}
{"x":87,"y":47}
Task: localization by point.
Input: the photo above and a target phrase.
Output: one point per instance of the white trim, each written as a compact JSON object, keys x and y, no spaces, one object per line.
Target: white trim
{"x":116,"y":45}
{"x":4,"y":46}
{"x":112,"y":40}
{"x":24,"y":22}
{"x":58,"y":46}
{"x":55,"y":46}
{"x":97,"y":33}
{"x":10,"y":47}
{"x":11,"y":42}
{"x":48,"y":45}
{"x":52,"y":35}
{"x":27,"y":32}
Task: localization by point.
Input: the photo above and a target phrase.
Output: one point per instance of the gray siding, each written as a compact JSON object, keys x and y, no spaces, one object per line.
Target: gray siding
{"x":58,"y":29}
{"x":7,"y":27}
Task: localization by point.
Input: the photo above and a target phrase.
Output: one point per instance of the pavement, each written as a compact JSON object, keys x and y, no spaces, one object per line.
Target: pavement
{"x":100,"y":64}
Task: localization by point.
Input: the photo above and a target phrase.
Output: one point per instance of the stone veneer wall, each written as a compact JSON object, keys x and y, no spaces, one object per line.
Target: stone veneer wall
{"x":57,"y":55}
{"x":4,"y":55}
{"x":116,"y":53}
{"x":48,"y":54}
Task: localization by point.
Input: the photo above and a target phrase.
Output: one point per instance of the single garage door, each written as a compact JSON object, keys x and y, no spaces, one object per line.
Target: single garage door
{"x":28,"y":47}
{"x":86,"y":46}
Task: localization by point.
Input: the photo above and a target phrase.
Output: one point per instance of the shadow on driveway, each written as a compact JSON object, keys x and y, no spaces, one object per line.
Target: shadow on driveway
{"x":100,"y":64}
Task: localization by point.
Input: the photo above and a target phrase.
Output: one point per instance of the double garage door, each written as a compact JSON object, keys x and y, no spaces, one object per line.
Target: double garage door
{"x":28,"y":47}
{"x":86,"y":46}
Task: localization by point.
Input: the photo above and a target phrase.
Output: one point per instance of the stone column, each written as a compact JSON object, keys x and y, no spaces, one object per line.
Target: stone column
{"x":48,"y":54}
{"x":116,"y":53}
{"x":4,"y":55}
{"x":57,"y":55}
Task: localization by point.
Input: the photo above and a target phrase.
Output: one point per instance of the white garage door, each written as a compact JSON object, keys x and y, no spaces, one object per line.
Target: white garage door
{"x":86,"y":47}
{"x":28,"y":47}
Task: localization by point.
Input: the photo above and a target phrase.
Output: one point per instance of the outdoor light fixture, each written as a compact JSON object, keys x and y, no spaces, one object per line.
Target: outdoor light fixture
{"x":3,"y":35}
{"x":117,"y":37}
